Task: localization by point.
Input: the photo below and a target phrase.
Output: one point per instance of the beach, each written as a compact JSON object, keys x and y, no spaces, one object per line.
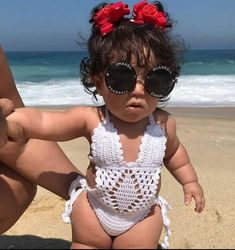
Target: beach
{"x":209,"y":137}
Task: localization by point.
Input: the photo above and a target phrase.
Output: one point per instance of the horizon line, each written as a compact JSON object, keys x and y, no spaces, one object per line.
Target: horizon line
{"x":84,"y":50}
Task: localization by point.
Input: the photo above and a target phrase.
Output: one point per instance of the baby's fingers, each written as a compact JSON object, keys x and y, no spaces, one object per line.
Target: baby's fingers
{"x":187,"y":198}
{"x":200,"y":203}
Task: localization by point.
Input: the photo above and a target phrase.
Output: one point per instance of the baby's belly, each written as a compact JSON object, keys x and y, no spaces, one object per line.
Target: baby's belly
{"x":91,"y":176}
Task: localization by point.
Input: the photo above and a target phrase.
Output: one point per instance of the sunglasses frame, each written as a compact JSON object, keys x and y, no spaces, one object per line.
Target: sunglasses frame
{"x":131,"y":68}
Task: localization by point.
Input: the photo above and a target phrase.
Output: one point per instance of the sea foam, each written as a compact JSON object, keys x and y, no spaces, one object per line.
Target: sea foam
{"x":191,"y":90}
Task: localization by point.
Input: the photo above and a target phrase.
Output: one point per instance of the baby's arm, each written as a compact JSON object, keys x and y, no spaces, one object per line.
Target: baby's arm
{"x":178,"y":163}
{"x":48,"y":125}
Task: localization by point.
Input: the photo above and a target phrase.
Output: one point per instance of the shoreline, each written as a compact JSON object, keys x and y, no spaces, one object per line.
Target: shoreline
{"x":212,"y":112}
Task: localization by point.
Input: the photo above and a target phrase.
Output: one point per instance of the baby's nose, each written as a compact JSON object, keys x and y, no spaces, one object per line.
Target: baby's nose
{"x":139,"y":87}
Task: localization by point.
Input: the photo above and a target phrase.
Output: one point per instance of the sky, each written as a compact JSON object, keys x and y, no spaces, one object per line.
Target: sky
{"x":51,"y":25}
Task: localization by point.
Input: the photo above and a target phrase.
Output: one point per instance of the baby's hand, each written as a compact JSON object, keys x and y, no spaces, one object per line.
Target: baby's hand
{"x":194,"y":190}
{"x":8,"y":130}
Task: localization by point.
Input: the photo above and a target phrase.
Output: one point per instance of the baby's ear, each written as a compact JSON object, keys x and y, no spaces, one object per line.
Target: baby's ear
{"x":98,"y":81}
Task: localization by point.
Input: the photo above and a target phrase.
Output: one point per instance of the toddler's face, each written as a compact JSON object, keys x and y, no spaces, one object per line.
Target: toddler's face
{"x":134,"y":104}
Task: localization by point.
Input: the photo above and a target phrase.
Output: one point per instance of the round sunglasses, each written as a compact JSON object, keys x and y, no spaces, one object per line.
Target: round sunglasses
{"x":121,"y":77}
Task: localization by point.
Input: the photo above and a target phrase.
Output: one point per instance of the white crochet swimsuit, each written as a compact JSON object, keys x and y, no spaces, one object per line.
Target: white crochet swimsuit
{"x":125,"y":191}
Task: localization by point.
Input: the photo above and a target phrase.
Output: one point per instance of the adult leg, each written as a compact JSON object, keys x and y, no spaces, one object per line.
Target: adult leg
{"x":16,"y":194}
{"x":143,"y":235}
{"x":7,"y":84}
{"x":41,"y":162}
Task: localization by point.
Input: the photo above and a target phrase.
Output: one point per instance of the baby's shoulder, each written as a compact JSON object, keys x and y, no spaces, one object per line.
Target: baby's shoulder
{"x":83,"y":109}
{"x":87,"y":117}
{"x":163,"y":118}
{"x":85,"y":112}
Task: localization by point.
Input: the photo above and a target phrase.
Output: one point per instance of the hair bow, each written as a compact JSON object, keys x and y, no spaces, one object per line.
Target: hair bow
{"x":110,"y":14}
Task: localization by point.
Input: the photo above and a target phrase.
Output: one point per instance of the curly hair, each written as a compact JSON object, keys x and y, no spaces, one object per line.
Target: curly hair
{"x":128,"y":40}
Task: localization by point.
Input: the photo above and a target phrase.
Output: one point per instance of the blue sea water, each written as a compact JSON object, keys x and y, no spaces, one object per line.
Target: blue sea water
{"x":52,"y":78}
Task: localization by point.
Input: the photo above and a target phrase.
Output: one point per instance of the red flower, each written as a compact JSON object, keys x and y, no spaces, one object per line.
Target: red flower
{"x":148,"y":13}
{"x":109,"y":15}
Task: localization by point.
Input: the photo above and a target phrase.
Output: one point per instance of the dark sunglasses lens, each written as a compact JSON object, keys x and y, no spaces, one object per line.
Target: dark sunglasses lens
{"x":160,"y":82}
{"x":120,"y":78}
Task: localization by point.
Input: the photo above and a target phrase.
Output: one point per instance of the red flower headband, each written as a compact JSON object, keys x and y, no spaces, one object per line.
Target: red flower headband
{"x":143,"y":12}
{"x":148,"y":13}
{"x":110,"y":14}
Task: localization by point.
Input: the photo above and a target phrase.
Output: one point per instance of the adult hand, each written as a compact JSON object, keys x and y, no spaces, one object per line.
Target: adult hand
{"x":8,"y":130}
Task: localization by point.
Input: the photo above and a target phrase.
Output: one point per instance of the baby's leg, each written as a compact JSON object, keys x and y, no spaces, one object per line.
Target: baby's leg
{"x":143,"y":235}
{"x":16,"y":194}
{"x":87,"y":231}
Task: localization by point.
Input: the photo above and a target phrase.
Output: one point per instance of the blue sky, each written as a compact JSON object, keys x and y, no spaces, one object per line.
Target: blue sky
{"x":54,"y":24}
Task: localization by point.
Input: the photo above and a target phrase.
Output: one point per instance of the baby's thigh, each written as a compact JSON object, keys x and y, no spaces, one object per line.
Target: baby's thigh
{"x":144,"y":235}
{"x":86,"y":228}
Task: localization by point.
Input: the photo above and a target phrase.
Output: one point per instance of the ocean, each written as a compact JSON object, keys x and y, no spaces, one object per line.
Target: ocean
{"x":52,"y":78}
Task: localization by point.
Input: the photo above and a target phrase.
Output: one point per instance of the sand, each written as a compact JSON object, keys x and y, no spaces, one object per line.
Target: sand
{"x":209,"y":136}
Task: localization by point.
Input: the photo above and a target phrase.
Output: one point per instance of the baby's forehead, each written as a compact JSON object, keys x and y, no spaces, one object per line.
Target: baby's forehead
{"x":140,"y":60}
{"x":152,"y":62}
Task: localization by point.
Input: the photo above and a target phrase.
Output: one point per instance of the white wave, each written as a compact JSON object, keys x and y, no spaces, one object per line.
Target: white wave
{"x":230,"y":61}
{"x":209,"y":90}
{"x":191,"y":90}
{"x":54,"y":92}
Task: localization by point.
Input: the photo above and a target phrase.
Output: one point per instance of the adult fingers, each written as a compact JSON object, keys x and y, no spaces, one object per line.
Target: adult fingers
{"x":7,"y":106}
{"x":3,"y":129}
{"x":15,"y":132}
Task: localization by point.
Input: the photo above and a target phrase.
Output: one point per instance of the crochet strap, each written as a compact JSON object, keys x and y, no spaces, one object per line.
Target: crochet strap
{"x":151,"y":119}
{"x":107,"y":119}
